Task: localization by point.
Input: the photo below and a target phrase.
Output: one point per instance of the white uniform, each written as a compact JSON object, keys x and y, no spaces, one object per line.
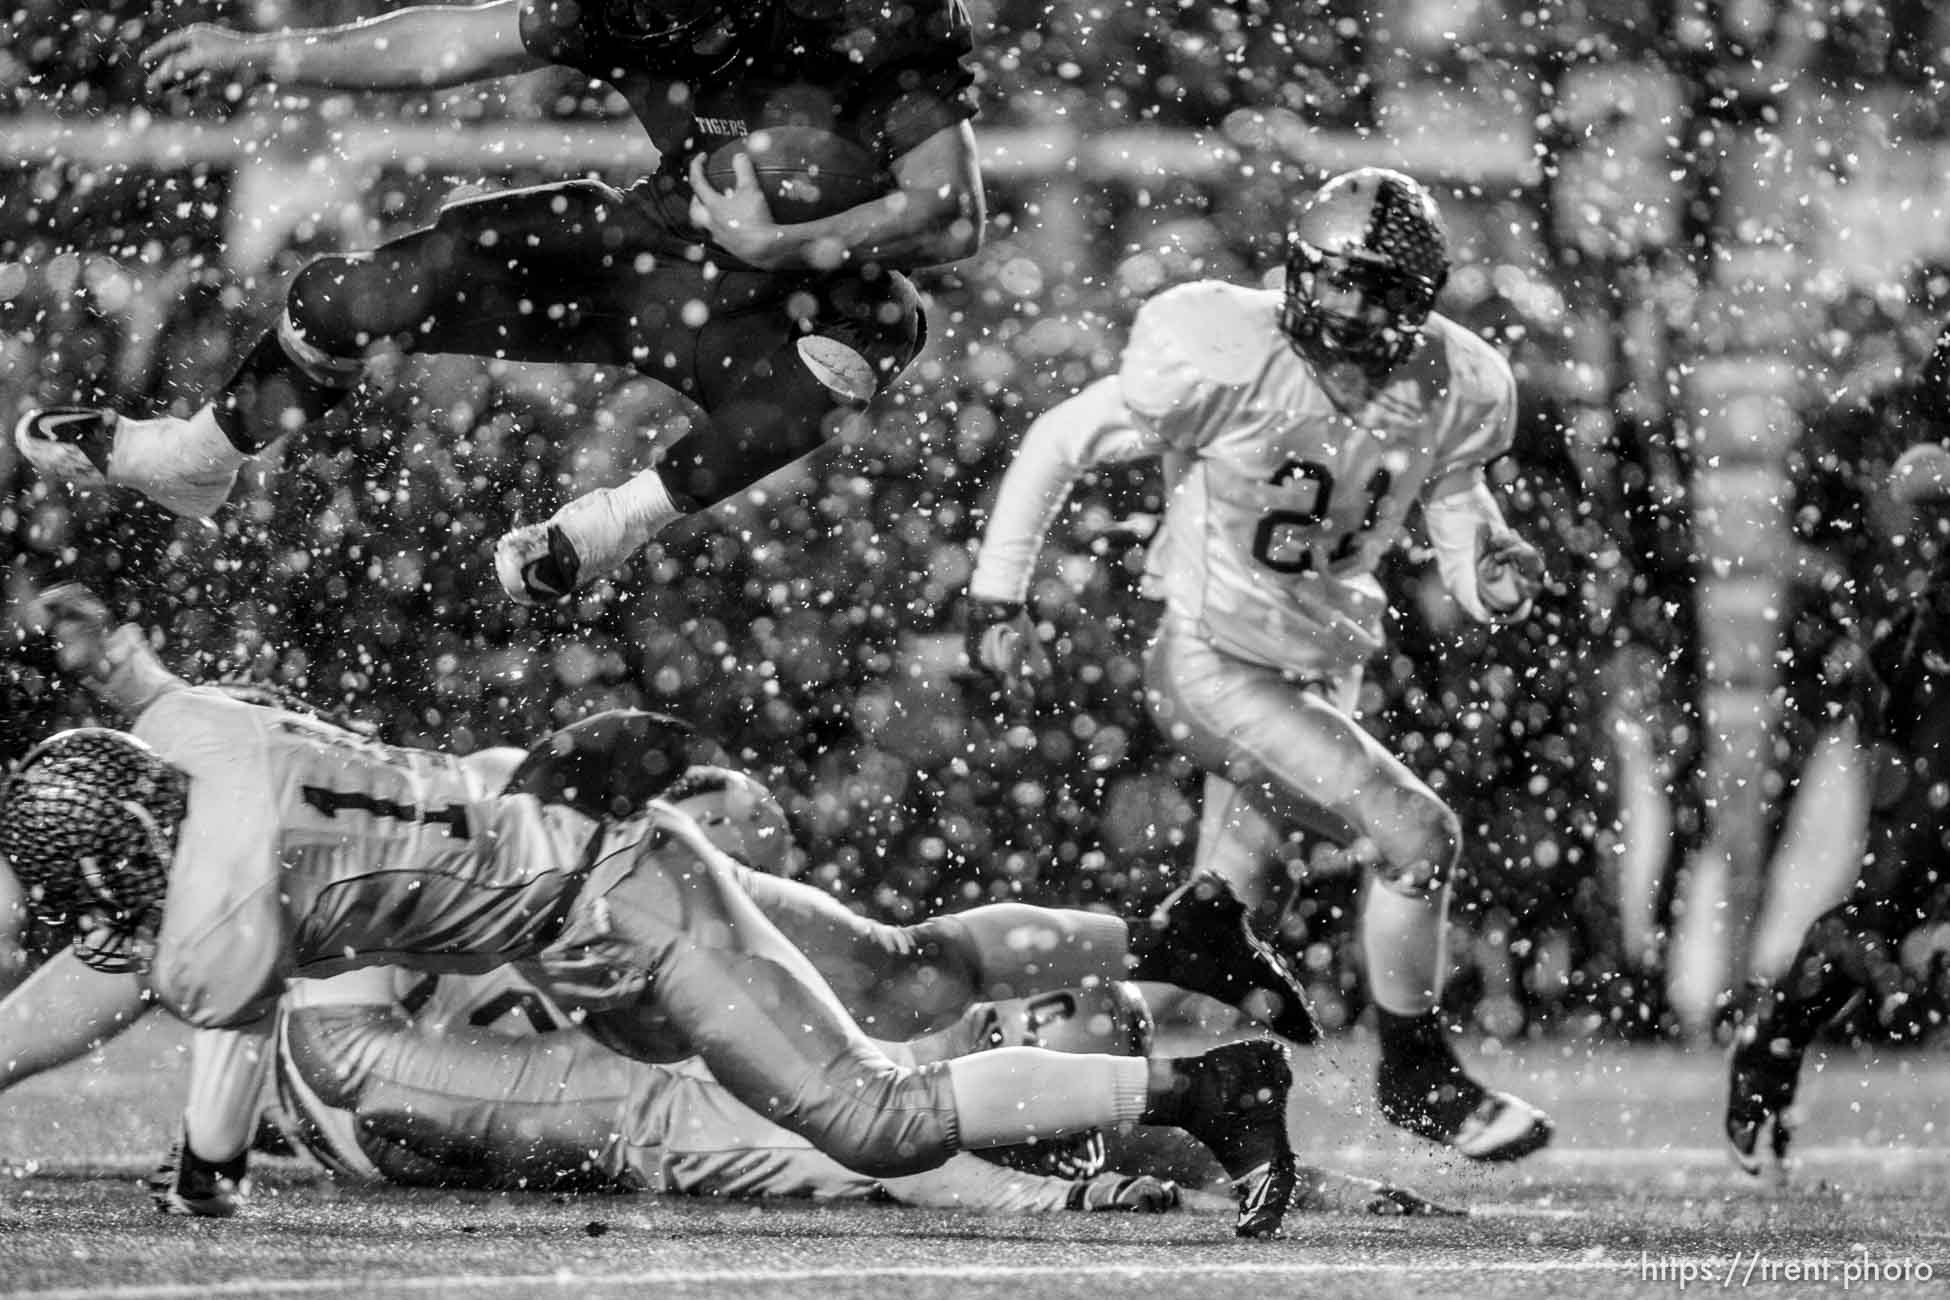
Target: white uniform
{"x":1279,"y":507}
{"x":483,"y":1081}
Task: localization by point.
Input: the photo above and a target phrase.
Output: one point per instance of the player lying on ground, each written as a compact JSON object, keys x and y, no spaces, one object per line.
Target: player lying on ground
{"x":1298,"y":429}
{"x":221,"y":849}
{"x":1851,"y":951}
{"x":410,"y":1085}
{"x":771,"y":329}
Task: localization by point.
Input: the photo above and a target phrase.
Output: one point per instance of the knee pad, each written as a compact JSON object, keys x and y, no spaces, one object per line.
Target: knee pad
{"x":864,"y":331}
{"x":329,"y":321}
{"x":892,"y":1127}
{"x":1420,"y":865}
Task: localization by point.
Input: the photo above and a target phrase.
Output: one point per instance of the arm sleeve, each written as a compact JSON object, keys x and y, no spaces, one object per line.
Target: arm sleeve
{"x":227,"y":1072}
{"x":61,"y":1012}
{"x":1457,"y":525}
{"x":1091,"y":428}
{"x":928,"y":90}
{"x":969,"y":1182}
{"x":221,"y":957}
{"x":558,"y":31}
{"x":1182,"y":356}
{"x":1485,"y":428}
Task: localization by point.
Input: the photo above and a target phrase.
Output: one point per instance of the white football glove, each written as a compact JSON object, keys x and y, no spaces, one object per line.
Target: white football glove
{"x":1003,"y":648}
{"x":1509,"y":574}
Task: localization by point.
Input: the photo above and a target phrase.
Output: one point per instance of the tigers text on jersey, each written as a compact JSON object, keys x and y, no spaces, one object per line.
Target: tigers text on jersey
{"x":308,"y":849}
{"x":1279,"y":506}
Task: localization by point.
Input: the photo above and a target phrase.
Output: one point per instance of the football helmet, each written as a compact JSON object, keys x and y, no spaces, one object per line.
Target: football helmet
{"x":89,"y":825}
{"x":1365,"y":260}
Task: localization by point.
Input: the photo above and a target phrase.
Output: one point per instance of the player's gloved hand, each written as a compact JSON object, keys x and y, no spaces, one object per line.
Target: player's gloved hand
{"x":1124,"y":1193}
{"x":1327,"y":1191}
{"x":1921,"y":475}
{"x":79,"y":622}
{"x":1121,"y":535}
{"x":1002,"y":647}
{"x":1509,"y":574}
{"x":185,"y":1183}
{"x":204,"y":54}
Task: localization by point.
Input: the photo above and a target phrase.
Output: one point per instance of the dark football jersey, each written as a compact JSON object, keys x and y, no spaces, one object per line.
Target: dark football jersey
{"x":886,"y":74}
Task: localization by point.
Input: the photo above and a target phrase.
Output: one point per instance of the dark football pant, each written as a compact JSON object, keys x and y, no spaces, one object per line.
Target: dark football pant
{"x":1905,"y":880}
{"x":663,"y":947}
{"x":579,"y":272}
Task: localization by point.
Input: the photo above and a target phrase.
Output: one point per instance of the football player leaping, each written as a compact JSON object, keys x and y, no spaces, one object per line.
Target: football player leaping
{"x":1298,"y":428}
{"x":221,"y":849}
{"x":770,"y":328}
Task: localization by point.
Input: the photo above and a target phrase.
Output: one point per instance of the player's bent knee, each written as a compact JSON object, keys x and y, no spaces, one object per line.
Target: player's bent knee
{"x":329,"y":319}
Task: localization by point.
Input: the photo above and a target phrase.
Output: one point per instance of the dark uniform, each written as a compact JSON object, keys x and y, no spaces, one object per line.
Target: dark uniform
{"x":584,"y":272}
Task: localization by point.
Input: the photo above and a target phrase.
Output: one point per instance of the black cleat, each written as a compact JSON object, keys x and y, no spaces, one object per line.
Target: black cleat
{"x":1763,"y":1072}
{"x":1233,"y":1099}
{"x":1470,"y":1119}
{"x":1423,"y":1088}
{"x":538,"y":564}
{"x":69,"y":443}
{"x":1201,"y":939}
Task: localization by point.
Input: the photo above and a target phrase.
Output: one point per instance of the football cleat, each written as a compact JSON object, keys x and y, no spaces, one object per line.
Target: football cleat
{"x":1763,"y":1072}
{"x":1234,"y":1099}
{"x":185,"y":1183}
{"x":1328,"y":1191}
{"x":1124,"y":1193}
{"x":538,"y":564}
{"x":74,"y":443}
{"x":1499,"y":1127}
{"x":1201,"y":939}
{"x":1439,"y":1101}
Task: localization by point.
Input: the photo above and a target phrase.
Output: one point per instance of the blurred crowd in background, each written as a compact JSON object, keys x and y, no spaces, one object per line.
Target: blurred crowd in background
{"x":815,"y":631}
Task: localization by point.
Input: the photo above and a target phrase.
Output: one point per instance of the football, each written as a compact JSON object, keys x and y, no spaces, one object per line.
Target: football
{"x":806,"y":173}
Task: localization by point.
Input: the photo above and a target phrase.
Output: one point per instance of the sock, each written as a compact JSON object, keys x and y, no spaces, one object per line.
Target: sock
{"x":1023,"y":1094}
{"x":1416,"y":1056}
{"x":167,"y":450}
{"x":1402,"y":943}
{"x":611,"y":523}
{"x":975,"y":1031}
{"x":1016,"y":949}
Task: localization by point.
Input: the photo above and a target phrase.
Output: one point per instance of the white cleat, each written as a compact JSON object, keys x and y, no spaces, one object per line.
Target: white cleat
{"x":74,"y":444}
{"x":1502,"y":1127}
{"x":546,"y":563}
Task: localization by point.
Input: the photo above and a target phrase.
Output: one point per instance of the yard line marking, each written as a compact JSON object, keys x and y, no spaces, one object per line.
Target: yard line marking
{"x":1572,"y":1157}
{"x":890,"y":1272}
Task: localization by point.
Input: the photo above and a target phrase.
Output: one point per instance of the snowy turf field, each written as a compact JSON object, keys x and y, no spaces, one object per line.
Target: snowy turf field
{"x":1635,"y":1192}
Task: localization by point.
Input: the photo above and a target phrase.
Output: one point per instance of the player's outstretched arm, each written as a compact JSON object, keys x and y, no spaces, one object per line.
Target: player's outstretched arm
{"x":63,"y":1011}
{"x":934,"y":214}
{"x":424,"y":47}
{"x":116,"y":662}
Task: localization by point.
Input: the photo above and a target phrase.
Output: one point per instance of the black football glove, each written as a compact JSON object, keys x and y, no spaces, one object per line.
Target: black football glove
{"x":185,"y":1183}
{"x":1003,"y":649}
